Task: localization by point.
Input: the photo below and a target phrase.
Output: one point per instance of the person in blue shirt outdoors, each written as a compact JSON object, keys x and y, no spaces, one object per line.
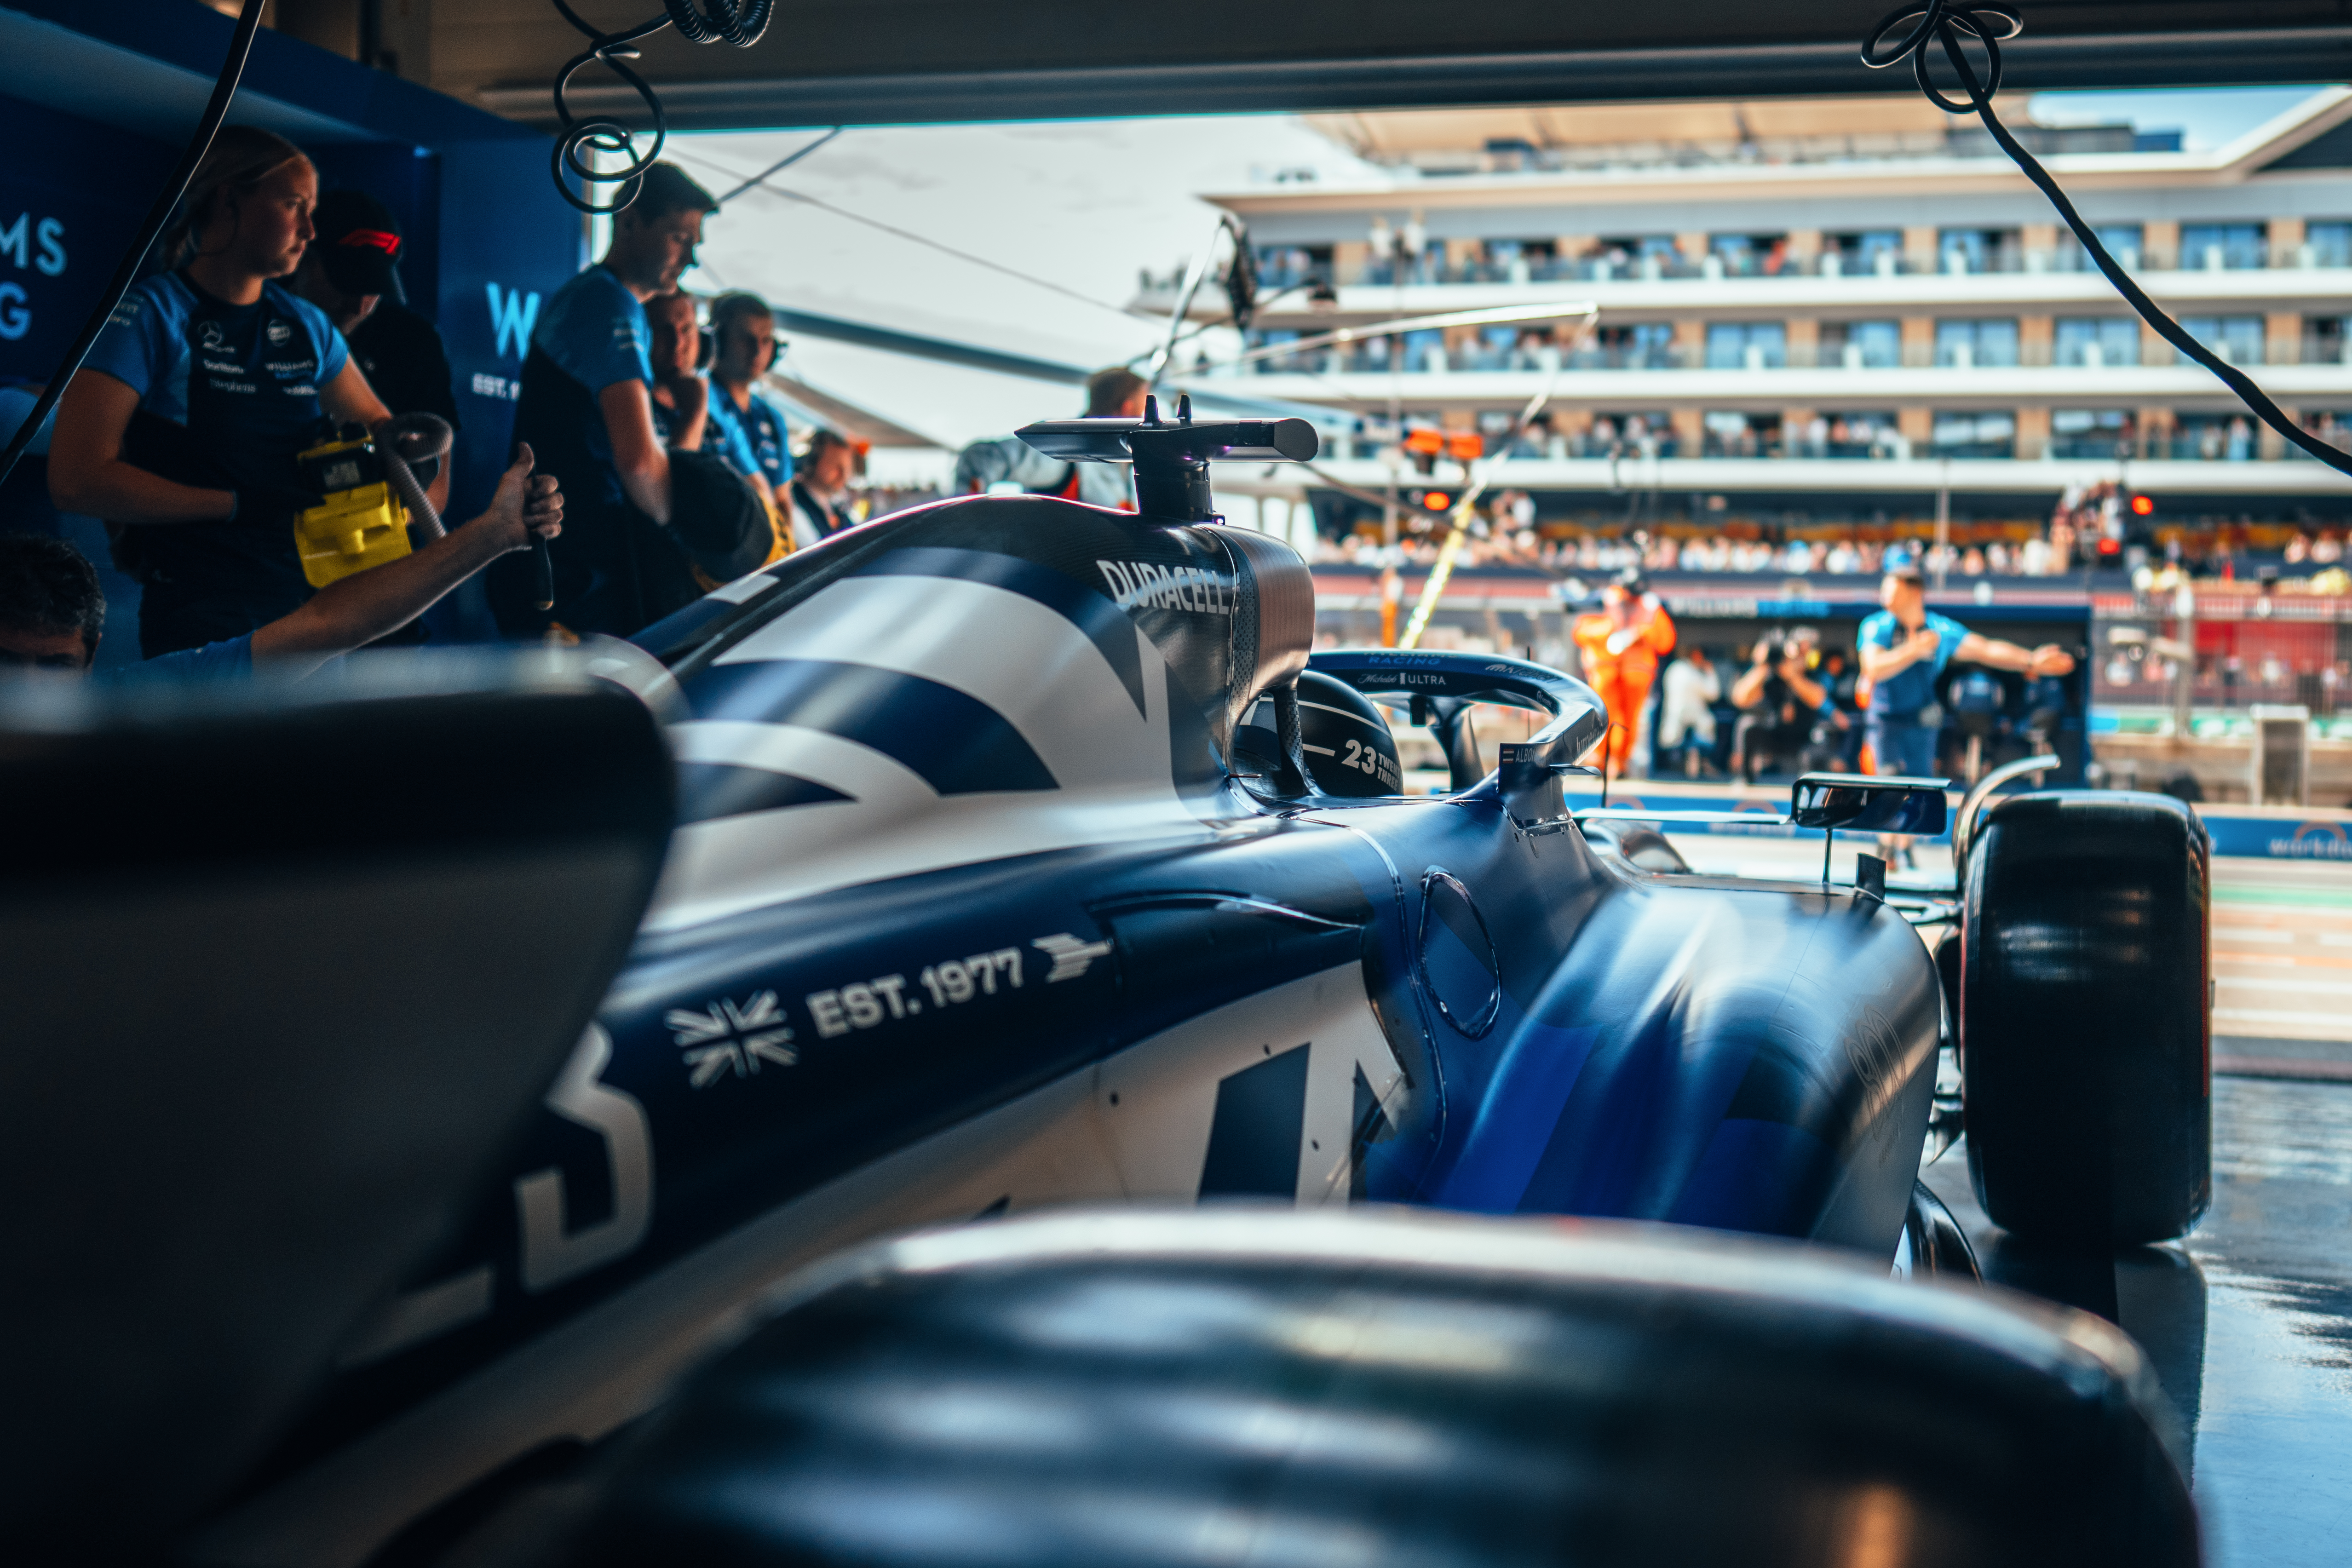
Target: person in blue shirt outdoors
{"x":587,"y":408}
{"x":181,"y":429}
{"x":52,"y":610}
{"x":749,"y":429}
{"x":1905,"y":650}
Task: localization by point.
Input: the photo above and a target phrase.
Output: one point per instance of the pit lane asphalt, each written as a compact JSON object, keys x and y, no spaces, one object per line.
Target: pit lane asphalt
{"x":2248,"y":1320}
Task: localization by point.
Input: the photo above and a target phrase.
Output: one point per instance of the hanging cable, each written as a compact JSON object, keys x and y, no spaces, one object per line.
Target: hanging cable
{"x":737,"y":22}
{"x":240,"y":44}
{"x":1943,"y":22}
{"x":780,"y":164}
{"x":788,"y":193}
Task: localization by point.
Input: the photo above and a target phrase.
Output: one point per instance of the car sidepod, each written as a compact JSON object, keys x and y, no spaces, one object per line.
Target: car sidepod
{"x":1748,"y":1056}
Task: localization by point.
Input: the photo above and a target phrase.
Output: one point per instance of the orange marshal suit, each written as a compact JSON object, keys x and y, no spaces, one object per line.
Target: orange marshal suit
{"x":1623,"y":677}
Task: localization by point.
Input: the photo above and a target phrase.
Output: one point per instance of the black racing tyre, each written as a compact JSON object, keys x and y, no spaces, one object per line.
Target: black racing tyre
{"x":2084,"y":1017}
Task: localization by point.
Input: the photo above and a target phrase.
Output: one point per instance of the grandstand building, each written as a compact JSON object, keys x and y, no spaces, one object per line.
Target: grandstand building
{"x":1816,"y":316}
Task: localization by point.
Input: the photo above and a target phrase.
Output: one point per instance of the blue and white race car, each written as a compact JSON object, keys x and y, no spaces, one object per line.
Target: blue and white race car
{"x":1024,"y":855}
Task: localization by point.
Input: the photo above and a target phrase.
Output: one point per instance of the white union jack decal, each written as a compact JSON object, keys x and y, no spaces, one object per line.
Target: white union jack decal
{"x":725,"y":1036}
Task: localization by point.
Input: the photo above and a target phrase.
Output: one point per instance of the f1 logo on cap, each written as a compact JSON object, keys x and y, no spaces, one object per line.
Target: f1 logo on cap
{"x":373,"y":239}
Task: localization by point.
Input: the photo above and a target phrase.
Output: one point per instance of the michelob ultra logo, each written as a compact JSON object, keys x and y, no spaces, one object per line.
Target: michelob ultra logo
{"x":1142,"y":585}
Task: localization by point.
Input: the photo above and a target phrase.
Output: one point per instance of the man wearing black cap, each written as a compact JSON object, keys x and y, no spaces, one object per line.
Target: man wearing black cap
{"x":351,"y":271}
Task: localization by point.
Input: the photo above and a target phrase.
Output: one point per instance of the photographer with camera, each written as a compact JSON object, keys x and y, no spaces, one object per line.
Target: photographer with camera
{"x":1780,"y":705}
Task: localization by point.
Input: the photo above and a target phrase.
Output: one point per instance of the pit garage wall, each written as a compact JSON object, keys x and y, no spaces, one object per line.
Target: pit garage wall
{"x":479,"y":213}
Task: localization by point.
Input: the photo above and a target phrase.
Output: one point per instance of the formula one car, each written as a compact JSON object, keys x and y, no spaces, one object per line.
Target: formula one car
{"x":1024,"y":855}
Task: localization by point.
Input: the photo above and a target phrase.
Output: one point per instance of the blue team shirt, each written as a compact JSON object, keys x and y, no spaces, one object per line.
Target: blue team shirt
{"x":147,"y":346}
{"x":229,"y":659}
{"x":1912,"y":687}
{"x":228,"y":394}
{"x":754,"y":441}
{"x":595,"y":330}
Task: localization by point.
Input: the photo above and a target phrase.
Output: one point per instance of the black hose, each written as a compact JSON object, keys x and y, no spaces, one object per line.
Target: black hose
{"x":737,"y":22}
{"x":232,"y":71}
{"x":1945,"y":23}
{"x":415,"y":437}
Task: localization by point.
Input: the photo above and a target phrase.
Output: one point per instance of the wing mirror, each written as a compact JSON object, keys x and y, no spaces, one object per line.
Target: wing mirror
{"x":1861,"y":803}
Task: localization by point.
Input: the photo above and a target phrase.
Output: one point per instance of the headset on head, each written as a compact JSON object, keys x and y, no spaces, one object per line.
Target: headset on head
{"x":706,"y":350}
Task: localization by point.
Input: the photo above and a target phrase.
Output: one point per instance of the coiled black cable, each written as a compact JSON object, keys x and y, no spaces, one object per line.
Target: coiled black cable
{"x":1943,"y":22}
{"x":240,"y":45}
{"x":741,"y":23}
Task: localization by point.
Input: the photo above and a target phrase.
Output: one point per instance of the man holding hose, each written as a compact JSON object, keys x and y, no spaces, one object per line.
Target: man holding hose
{"x":51,"y":610}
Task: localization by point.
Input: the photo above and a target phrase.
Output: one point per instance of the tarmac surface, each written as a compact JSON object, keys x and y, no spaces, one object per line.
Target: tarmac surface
{"x":2248,"y":1320}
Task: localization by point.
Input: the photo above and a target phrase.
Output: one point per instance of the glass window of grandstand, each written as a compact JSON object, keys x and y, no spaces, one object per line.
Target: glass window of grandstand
{"x":1293,"y":266}
{"x":1862,"y":345}
{"x":2325,"y":342}
{"x":2224,"y":247}
{"x":1511,"y":349}
{"x":1872,"y":252}
{"x":1969,"y":345}
{"x":2123,"y":241}
{"x":1524,"y":261}
{"x":1974,"y":435}
{"x":1424,"y":353}
{"x":1730,"y":435}
{"x":2106,"y":432}
{"x":1645,"y":346}
{"x":1980,"y":250}
{"x":2097,"y":341}
{"x":1643,"y":435}
{"x":1641,"y":256}
{"x":2213,"y":438}
{"x":2238,"y":339}
{"x":1746,"y":346}
{"x":1746,"y":255}
{"x":1870,"y":434}
{"x":1278,"y":364}
{"x":2326,"y":245}
{"x":2333,"y":425}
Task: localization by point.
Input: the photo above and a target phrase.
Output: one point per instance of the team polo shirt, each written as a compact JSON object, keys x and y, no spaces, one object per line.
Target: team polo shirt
{"x":755,"y":441}
{"x":229,"y":659}
{"x":1900,"y":696}
{"x":228,"y":394}
{"x":593,"y":335}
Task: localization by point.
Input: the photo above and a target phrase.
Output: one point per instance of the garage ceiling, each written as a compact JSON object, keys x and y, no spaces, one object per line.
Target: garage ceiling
{"x":882,"y":61}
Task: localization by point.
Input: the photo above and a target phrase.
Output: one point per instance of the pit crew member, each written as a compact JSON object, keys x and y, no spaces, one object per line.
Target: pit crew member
{"x":587,"y":409}
{"x":181,"y":429}
{"x":746,"y":427}
{"x":820,"y":492}
{"x":51,"y":610}
{"x":1906,"y":648}
{"x":1012,"y":466}
{"x":1622,"y":644}
{"x":351,"y":271}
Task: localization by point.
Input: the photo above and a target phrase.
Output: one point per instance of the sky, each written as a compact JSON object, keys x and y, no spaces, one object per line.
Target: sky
{"x":2207,"y":117}
{"x":1081,"y":206}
